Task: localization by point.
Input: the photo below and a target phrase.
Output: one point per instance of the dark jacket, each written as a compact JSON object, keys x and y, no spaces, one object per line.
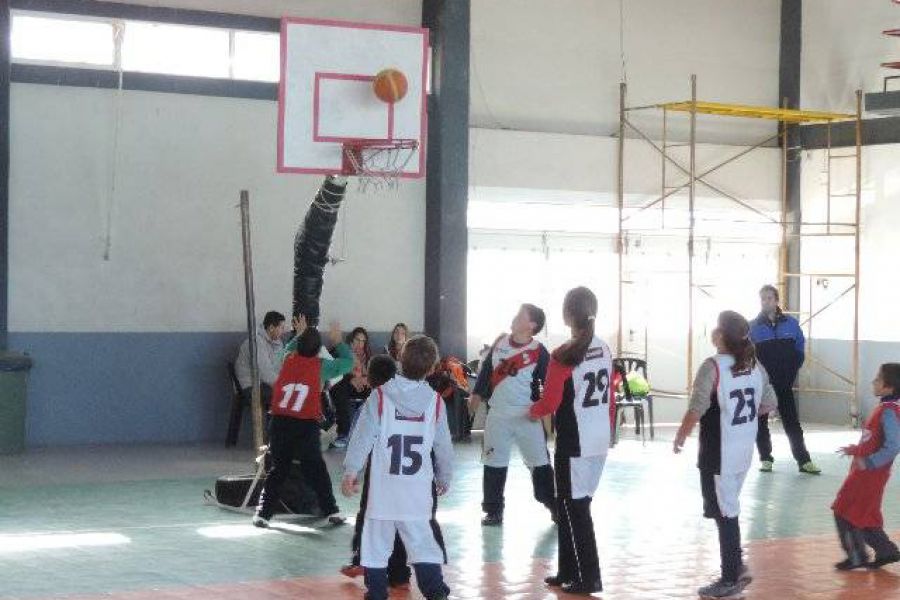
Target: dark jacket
{"x":780,"y":347}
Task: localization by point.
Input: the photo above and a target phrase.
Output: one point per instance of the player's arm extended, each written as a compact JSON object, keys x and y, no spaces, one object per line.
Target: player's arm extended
{"x":769,"y":401}
{"x":557,"y":374}
{"x":540,"y":373}
{"x":890,"y":445}
{"x":701,"y":399}
{"x":363,"y":438}
{"x":443,"y":452}
{"x":340,"y":366}
{"x":483,"y":382}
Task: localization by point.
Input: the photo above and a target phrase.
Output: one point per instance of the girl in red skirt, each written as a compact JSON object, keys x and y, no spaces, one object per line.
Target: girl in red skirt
{"x":857,"y":508}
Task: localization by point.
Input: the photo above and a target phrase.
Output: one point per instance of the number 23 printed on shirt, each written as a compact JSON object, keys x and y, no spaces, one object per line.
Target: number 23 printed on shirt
{"x":596,"y":382}
{"x":301,"y":391}
{"x":745,"y":398}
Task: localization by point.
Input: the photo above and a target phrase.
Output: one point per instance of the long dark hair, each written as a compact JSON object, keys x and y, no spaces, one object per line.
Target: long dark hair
{"x":367,"y":351}
{"x":580,"y":309}
{"x":735,"y":332}
{"x":392,"y":347}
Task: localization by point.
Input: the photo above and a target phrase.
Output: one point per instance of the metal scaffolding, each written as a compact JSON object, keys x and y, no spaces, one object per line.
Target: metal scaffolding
{"x":795,"y":230}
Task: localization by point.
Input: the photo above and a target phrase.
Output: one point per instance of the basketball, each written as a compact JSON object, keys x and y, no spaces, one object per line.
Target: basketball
{"x":390,"y":85}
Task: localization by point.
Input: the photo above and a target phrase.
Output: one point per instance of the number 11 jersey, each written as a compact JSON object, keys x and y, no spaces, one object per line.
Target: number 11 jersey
{"x":401,"y":474}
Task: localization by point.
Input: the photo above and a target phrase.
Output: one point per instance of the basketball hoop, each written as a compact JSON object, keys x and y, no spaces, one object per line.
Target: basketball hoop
{"x":377,"y":163}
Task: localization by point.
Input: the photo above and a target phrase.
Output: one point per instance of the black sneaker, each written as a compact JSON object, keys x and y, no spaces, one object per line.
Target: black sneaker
{"x":334,"y":517}
{"x":554,"y":580}
{"x":259,"y":521}
{"x":721,"y":589}
{"x":492,"y":520}
{"x":582,"y":588}
{"x":880,"y":561}
{"x":849,"y":565}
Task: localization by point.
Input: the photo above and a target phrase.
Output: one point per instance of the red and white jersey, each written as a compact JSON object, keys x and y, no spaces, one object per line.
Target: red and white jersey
{"x":510,"y":376}
{"x":297,"y":392}
{"x":739,"y":396}
{"x":402,"y":472}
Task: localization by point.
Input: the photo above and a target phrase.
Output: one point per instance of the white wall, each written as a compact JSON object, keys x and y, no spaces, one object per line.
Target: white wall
{"x":880,"y":214}
{"x":580,"y":163}
{"x":879,"y":328}
{"x":554,"y":65}
{"x":843,"y":48}
{"x":175,"y":261}
{"x":398,"y":12}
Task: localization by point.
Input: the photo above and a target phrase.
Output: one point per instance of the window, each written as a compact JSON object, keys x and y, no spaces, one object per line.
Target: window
{"x":176,"y":50}
{"x":257,"y":56}
{"x":146,"y":47}
{"x":58,"y":40}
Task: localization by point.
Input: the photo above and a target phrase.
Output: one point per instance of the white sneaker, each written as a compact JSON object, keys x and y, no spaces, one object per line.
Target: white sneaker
{"x":258,"y":521}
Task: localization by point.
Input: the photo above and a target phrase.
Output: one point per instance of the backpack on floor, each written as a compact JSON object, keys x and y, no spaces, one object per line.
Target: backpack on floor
{"x":296,"y":496}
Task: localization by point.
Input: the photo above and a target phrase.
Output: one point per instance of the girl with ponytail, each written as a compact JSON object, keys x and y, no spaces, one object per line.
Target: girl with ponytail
{"x":579,"y":395}
{"x":730,"y":391}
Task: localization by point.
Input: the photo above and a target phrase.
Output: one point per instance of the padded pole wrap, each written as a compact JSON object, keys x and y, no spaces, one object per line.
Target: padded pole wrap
{"x":311,"y":246}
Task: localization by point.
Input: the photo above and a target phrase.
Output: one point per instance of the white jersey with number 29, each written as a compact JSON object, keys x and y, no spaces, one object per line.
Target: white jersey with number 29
{"x":592,"y":382}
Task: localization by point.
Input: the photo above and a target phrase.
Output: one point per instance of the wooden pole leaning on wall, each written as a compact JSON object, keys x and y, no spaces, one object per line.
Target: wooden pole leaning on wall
{"x":255,"y":399}
{"x":620,"y":239}
{"x":854,"y":398}
{"x":691,"y":223}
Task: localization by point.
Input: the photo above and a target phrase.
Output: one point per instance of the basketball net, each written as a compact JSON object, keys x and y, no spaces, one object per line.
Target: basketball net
{"x":377,"y":164}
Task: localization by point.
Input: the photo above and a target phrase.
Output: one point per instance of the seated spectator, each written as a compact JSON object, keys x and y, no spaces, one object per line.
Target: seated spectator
{"x":348,"y":394}
{"x":399,"y":335}
{"x":268,"y":358}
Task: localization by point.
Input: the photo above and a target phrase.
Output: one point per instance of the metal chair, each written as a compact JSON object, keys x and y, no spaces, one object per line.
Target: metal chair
{"x":237,"y":408}
{"x":624,"y":366}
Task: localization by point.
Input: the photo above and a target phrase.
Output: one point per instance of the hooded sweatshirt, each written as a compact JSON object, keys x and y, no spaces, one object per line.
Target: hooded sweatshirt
{"x":405,"y":394}
{"x":268,"y":356}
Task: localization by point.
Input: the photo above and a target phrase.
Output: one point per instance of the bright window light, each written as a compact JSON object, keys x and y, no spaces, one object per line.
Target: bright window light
{"x":175,"y":50}
{"x":10,"y":544}
{"x":256,"y":56}
{"x":62,"y":40}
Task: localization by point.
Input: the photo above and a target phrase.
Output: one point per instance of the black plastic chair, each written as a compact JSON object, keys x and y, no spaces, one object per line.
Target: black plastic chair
{"x":237,"y":408}
{"x":623,"y":366}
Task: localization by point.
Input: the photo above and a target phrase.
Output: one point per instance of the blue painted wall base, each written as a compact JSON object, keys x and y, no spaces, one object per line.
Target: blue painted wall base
{"x":114,"y":388}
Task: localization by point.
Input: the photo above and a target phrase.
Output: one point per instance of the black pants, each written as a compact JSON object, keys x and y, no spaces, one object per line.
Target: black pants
{"x":346,"y":400}
{"x":397,"y":570}
{"x":729,"y":528}
{"x":578,"y":558}
{"x":289,"y":439}
{"x":855,"y":540}
{"x":790,"y":418}
{"x":494,"y":483}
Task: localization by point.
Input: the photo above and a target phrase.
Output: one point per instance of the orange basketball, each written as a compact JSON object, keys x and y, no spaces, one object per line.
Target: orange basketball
{"x":390,"y":85}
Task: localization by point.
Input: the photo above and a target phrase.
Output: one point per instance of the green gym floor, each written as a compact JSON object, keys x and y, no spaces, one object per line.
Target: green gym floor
{"x":130,"y":523}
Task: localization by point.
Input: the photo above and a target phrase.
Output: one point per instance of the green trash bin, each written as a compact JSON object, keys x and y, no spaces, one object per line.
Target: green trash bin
{"x":13,"y":396}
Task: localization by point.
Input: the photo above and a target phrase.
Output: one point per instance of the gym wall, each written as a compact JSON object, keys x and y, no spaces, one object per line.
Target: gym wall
{"x":133,"y":347}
